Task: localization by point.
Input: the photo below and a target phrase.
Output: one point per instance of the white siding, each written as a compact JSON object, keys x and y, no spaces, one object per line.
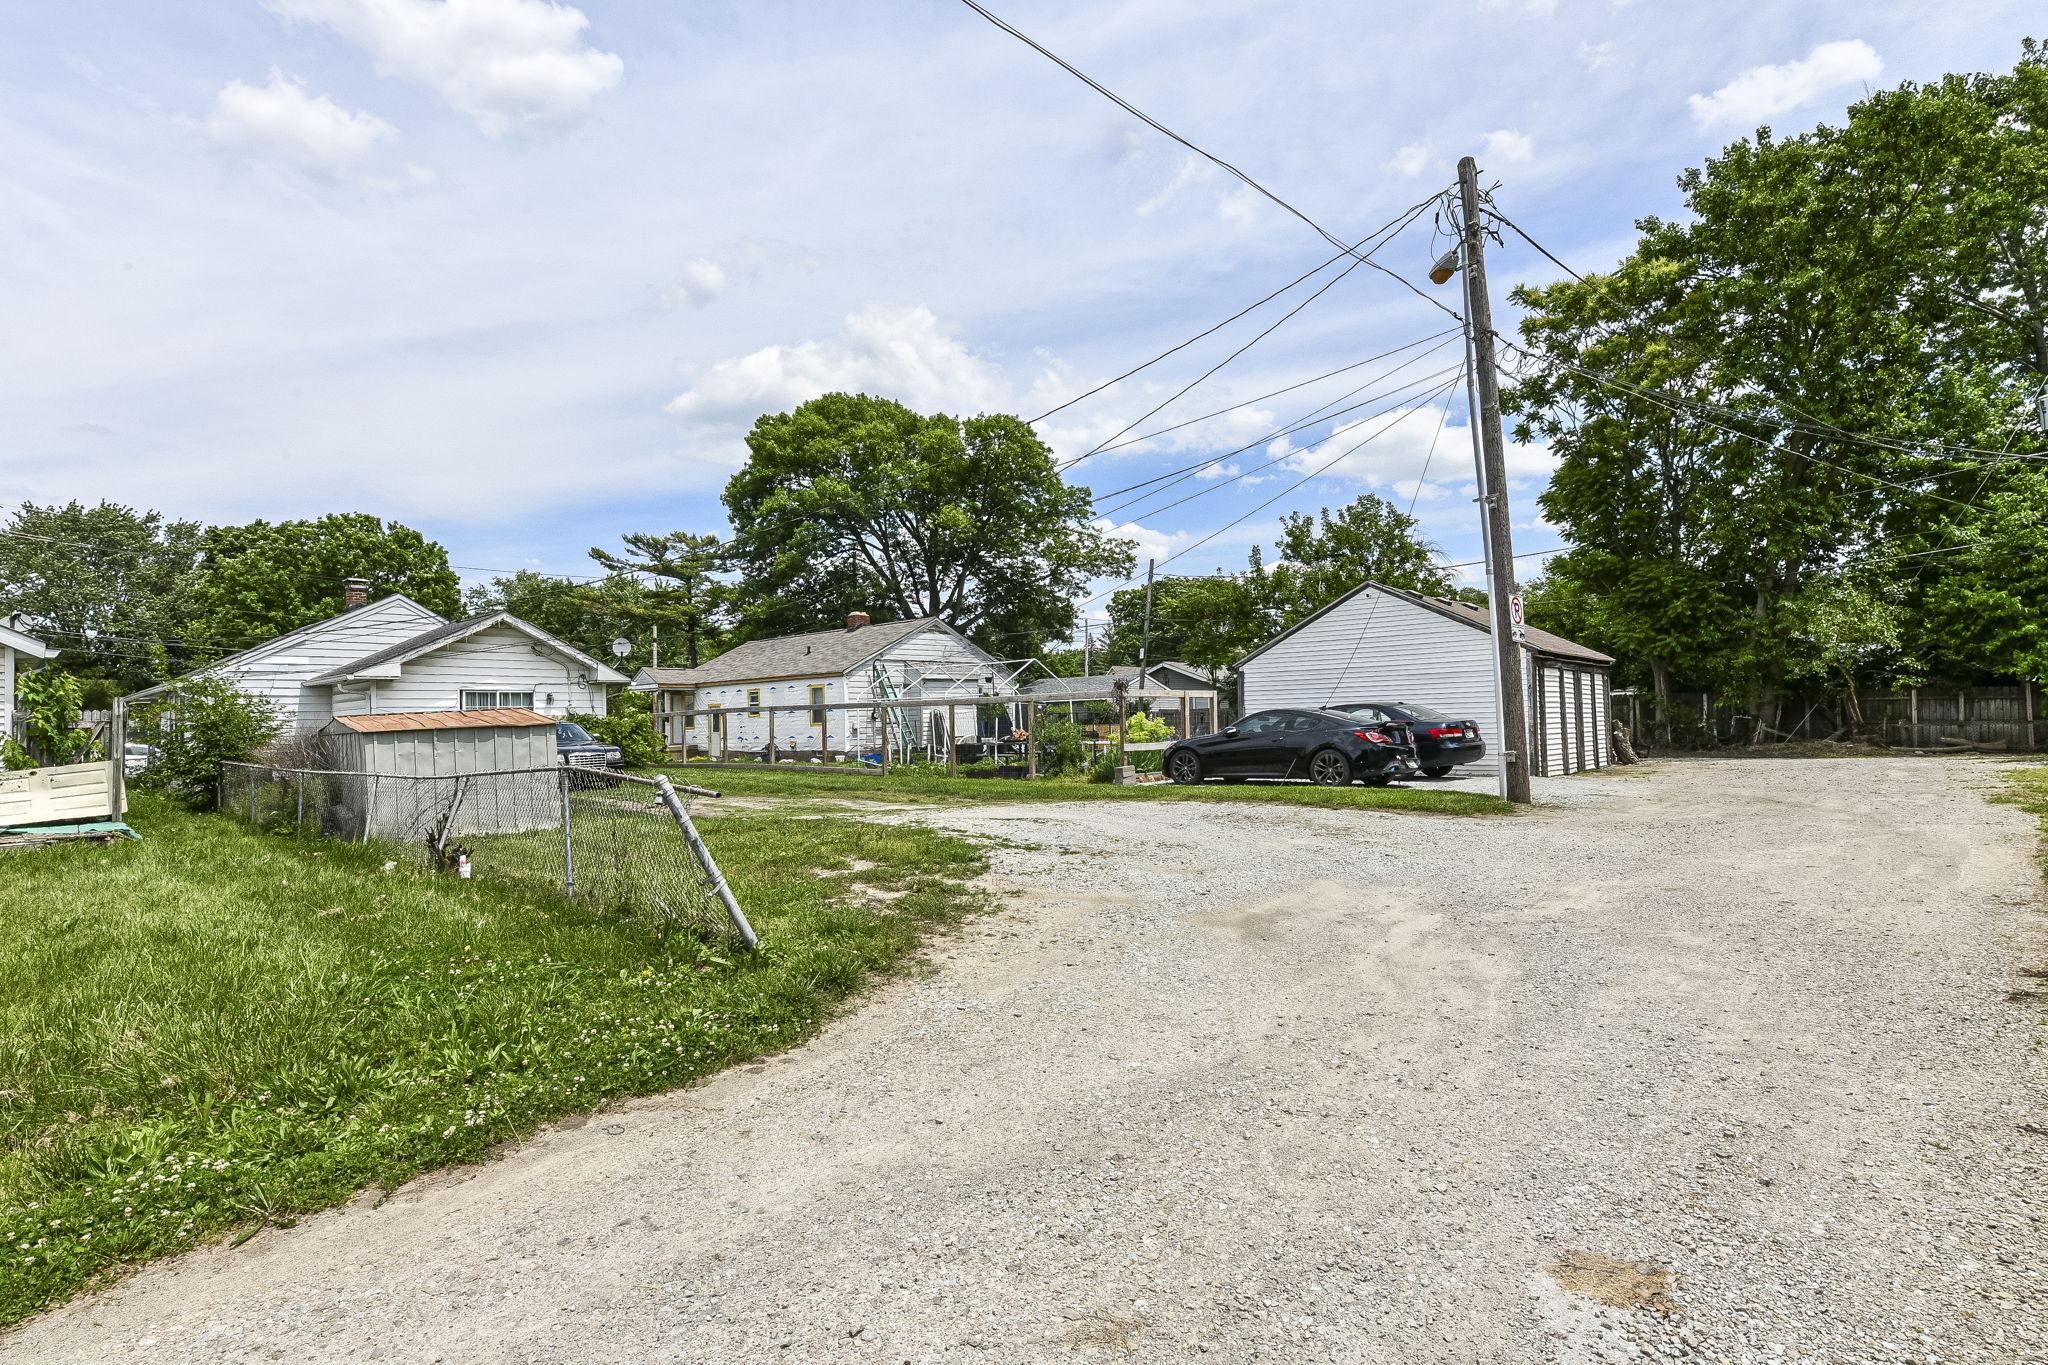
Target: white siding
{"x":498,"y":659}
{"x":904,"y":663}
{"x":1374,"y":647}
{"x":278,"y":670}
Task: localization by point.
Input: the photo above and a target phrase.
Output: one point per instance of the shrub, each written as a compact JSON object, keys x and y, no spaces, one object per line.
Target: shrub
{"x":1063,"y":747}
{"x":200,"y":724}
{"x":51,"y":700}
{"x":1104,"y":767}
{"x":631,"y":728}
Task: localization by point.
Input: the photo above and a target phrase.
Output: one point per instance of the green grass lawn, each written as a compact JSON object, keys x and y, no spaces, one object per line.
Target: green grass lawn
{"x":216,"y":1028}
{"x":808,"y":781}
{"x":2029,"y":791}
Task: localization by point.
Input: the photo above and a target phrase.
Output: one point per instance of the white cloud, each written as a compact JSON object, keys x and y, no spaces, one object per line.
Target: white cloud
{"x":1596,"y":55}
{"x":1505,"y":144}
{"x":702,"y":282}
{"x":899,"y":353}
{"x":1411,"y":160}
{"x":1762,"y":91}
{"x":279,"y":121}
{"x":1147,"y":543}
{"x":1240,"y":208}
{"x":1385,"y":450}
{"x":507,"y":64}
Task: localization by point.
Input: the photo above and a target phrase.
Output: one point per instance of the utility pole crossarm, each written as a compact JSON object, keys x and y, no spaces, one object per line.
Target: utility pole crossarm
{"x":1493,"y":494}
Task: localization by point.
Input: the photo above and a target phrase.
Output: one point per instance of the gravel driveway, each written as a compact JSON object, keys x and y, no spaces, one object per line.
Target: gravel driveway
{"x":1714,"y":1062}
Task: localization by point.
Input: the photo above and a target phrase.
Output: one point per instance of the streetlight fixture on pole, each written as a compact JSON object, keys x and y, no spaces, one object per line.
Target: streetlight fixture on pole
{"x":1490,"y":451}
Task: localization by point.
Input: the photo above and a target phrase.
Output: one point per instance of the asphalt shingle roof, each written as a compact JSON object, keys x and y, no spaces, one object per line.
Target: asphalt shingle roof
{"x":818,"y":653}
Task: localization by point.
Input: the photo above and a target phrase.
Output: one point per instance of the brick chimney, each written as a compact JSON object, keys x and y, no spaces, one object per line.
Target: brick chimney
{"x":355,"y":592}
{"x":856,"y":620}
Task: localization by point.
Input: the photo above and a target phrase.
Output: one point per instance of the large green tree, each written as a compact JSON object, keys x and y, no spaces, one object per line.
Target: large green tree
{"x":852,"y":502}
{"x":686,"y":594}
{"x":109,"y":586}
{"x":1207,"y":622}
{"x":1322,"y":557}
{"x":1777,"y":403}
{"x":257,"y":580}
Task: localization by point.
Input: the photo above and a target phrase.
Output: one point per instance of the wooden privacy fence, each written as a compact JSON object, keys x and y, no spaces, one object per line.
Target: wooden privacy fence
{"x":869,"y":736}
{"x":1915,"y":718}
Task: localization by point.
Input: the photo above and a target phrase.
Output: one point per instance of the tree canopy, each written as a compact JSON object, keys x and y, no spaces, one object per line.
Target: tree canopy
{"x":852,"y":503}
{"x":1788,"y":425}
{"x":258,"y":580}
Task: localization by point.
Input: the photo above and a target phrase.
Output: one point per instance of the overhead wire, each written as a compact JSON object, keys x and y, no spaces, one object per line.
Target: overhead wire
{"x":1420,"y":382}
{"x":1294,"y":487}
{"x":1279,"y":322}
{"x":1322,"y":412}
{"x":1153,"y":123}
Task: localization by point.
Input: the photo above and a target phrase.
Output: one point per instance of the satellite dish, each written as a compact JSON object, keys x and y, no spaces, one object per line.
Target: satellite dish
{"x":621,"y":647}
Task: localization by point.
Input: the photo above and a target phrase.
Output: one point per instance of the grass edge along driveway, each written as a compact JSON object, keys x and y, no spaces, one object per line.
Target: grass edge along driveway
{"x":217,"y":1028}
{"x":812,"y":781}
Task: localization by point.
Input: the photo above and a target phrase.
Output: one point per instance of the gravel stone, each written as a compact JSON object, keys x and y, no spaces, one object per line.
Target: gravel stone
{"x":1726,"y":1046}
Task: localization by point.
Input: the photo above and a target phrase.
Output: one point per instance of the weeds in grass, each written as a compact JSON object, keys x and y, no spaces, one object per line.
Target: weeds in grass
{"x":214,"y":1028}
{"x":2027,"y":788}
{"x":795,"y":780}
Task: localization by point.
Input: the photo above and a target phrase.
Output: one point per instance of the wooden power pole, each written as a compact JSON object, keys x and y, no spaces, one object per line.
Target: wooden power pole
{"x":1145,"y":638}
{"x":1513,"y":740}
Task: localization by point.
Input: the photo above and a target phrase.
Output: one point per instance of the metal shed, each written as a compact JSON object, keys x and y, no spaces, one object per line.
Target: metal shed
{"x":504,"y":758}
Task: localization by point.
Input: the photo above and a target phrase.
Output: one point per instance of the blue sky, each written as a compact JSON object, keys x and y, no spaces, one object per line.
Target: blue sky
{"x":522,"y":274}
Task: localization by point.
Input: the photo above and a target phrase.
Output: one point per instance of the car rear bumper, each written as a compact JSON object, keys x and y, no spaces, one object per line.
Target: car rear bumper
{"x":1449,"y":753}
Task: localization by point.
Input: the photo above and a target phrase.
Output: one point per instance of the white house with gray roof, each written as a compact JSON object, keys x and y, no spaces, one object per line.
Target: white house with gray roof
{"x":394,"y":655}
{"x":920,"y":658}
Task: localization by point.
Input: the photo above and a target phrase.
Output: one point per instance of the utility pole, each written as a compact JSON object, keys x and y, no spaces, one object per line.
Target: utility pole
{"x":657,"y":646}
{"x":1087,"y":649}
{"x":1145,"y":640}
{"x":1493,"y":496}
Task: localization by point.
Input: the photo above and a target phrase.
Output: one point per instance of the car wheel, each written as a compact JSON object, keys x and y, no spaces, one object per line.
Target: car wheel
{"x":1330,"y":769}
{"x":1436,"y":772}
{"x":1185,"y":768}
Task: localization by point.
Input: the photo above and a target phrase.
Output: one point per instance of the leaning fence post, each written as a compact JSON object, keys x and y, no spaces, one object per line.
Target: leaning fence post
{"x":952,"y":739}
{"x":705,"y":860}
{"x":568,"y":839}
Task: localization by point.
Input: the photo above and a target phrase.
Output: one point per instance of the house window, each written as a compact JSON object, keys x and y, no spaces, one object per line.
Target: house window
{"x":753,"y":701}
{"x":495,"y":701}
{"x":717,"y":720}
{"x":817,"y":704}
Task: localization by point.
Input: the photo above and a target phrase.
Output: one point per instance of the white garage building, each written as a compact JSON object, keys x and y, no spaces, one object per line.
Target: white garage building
{"x":1384,"y":644}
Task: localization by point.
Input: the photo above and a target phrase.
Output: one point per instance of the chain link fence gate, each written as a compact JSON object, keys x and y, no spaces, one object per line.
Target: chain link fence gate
{"x":608,"y":840}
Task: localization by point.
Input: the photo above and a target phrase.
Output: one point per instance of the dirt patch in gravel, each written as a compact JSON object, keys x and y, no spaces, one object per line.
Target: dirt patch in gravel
{"x":1293,"y":1085}
{"x":1615,"y":1282}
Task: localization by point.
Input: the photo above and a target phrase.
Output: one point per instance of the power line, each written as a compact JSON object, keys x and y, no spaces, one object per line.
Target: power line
{"x":1425,"y":380}
{"x":1153,"y":123}
{"x":1206,"y":374}
{"x":1247,"y":402}
{"x":1252,"y":307}
{"x":1316,"y":473}
{"x":1807,"y":423}
{"x":1322,"y":412}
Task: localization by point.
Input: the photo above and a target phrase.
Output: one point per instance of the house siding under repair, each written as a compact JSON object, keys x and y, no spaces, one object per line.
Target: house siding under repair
{"x":899,"y":660}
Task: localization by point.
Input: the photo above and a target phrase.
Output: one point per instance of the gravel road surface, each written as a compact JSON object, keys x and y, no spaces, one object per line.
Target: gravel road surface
{"x":1720,"y":1061}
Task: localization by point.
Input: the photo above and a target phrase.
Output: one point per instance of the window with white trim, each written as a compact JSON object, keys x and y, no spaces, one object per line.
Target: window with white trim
{"x":495,"y":701}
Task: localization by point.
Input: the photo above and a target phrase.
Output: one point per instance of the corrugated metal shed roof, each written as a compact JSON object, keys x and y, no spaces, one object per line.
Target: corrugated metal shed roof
{"x":442,"y":720}
{"x":822,"y":652}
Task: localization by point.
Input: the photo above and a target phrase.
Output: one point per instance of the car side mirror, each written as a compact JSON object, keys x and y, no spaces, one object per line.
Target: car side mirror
{"x":1230,"y":730}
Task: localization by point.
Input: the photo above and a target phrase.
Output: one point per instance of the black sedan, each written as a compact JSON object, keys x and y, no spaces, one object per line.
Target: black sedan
{"x":1326,"y":747}
{"x":1441,"y":742}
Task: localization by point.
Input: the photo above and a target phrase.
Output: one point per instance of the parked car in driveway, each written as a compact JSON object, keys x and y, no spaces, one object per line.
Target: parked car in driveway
{"x":1441,"y":743}
{"x":1325,"y":747}
{"x":577,"y":747}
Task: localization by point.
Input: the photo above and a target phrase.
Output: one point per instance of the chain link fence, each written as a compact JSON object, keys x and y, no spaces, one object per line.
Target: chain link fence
{"x":611,"y":841}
